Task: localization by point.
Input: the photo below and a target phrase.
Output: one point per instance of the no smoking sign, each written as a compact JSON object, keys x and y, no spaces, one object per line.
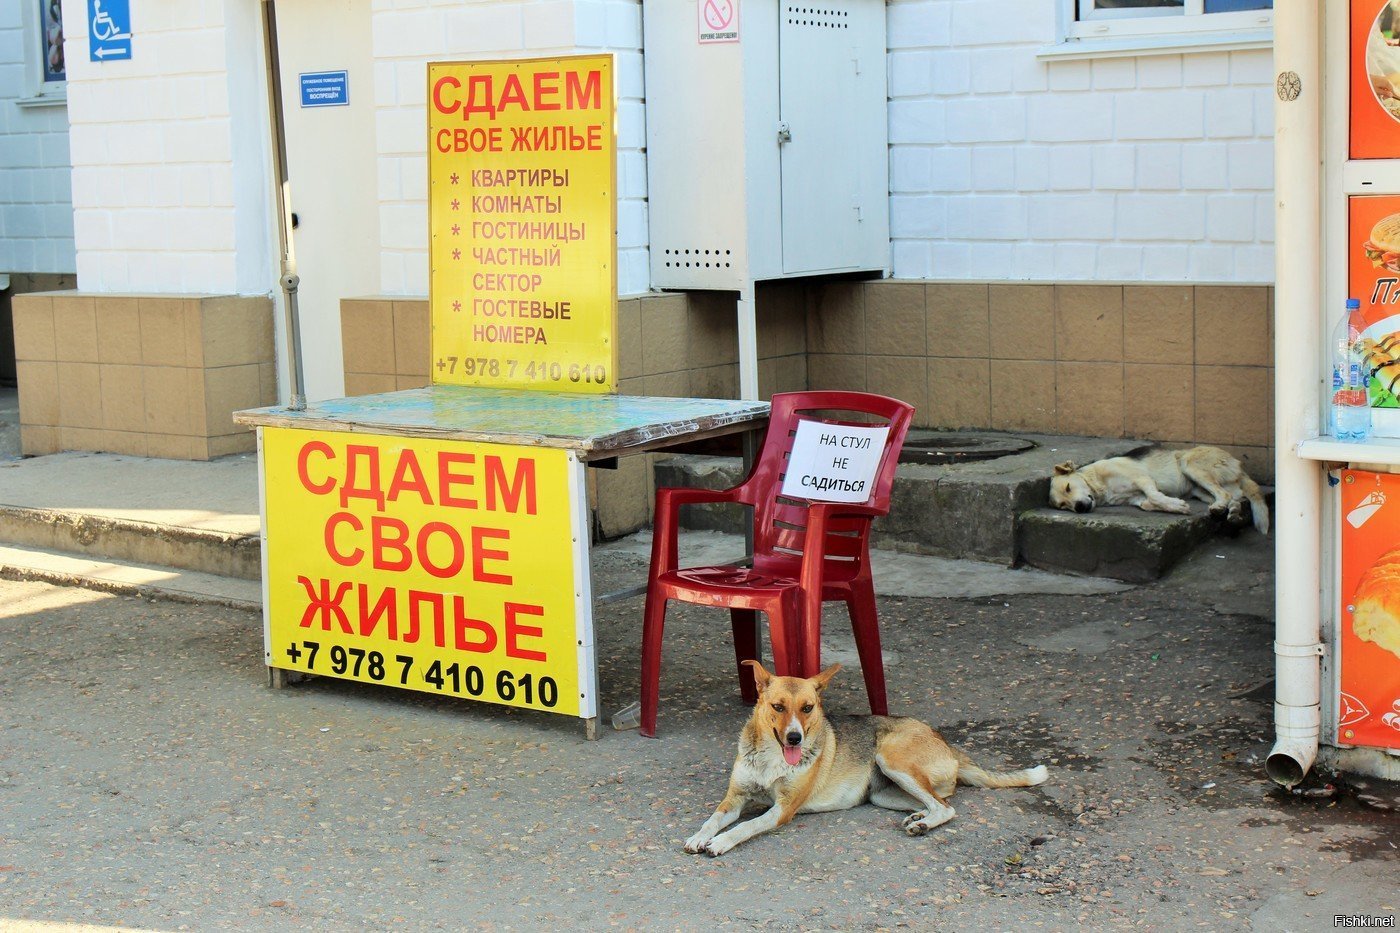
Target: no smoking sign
{"x":717,"y":20}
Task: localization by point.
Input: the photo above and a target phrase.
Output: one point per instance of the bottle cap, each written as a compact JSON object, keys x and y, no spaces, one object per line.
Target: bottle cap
{"x":1353,"y":304}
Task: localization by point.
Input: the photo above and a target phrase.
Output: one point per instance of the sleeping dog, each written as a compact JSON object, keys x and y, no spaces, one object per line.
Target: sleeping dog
{"x":1159,"y":481}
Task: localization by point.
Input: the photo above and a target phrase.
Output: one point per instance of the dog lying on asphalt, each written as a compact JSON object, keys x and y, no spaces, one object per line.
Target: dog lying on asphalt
{"x":789,"y":754}
{"x":1159,"y":481}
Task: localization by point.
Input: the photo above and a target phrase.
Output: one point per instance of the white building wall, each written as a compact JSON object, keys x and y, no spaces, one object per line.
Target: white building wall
{"x":160,"y":204}
{"x":36,"y":215}
{"x":1005,"y":167}
{"x":410,"y":33}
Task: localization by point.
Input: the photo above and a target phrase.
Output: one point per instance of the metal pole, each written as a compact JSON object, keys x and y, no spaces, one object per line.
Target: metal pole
{"x":289,"y":280}
{"x":748,"y":342}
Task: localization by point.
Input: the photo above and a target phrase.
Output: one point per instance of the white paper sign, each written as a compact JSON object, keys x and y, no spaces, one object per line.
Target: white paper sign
{"x":833,"y":462}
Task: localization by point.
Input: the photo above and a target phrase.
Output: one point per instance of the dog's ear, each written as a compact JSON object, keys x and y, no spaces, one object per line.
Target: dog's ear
{"x":1061,"y":469}
{"x":760,"y":676}
{"x":825,"y":676}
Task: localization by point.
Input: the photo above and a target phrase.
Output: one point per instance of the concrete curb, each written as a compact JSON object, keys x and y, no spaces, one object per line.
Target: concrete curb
{"x":207,"y":551}
{"x":122,"y":578}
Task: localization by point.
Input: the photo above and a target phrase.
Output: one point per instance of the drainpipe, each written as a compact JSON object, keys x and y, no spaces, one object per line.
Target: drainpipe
{"x":1298,"y":304}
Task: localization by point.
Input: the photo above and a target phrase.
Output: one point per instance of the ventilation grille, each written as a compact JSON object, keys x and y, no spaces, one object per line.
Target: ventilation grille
{"x":819,"y":17}
{"x":697,"y":258}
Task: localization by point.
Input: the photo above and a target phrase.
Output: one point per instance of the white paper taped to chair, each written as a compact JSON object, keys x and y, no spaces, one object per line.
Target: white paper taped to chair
{"x":834,"y":462}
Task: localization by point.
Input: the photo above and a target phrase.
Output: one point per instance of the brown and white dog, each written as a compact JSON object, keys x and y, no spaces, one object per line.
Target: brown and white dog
{"x":789,"y":755}
{"x":1160,"y":481}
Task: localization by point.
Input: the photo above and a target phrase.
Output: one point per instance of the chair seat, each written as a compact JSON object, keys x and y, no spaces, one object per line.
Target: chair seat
{"x":722,"y":582}
{"x":724,"y":585}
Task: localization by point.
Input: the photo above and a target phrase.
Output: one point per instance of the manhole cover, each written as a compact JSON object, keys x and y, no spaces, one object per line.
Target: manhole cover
{"x":955,"y":447}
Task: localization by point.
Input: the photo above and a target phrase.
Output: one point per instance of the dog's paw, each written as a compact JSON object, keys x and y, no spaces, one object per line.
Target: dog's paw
{"x":718,"y":846}
{"x":696,"y":843}
{"x":916,"y":824}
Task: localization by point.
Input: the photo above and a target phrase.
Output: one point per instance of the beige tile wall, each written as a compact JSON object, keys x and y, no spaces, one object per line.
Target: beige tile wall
{"x":1178,"y":364}
{"x":148,"y":375}
{"x":1172,"y":363}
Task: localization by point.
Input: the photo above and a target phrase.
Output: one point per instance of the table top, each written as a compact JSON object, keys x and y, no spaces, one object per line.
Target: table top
{"x":595,"y":426}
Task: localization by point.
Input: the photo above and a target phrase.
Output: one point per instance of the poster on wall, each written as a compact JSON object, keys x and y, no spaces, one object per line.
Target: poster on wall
{"x":522,"y":218}
{"x":1368,"y":643}
{"x":1373,"y":277}
{"x":1375,"y":80}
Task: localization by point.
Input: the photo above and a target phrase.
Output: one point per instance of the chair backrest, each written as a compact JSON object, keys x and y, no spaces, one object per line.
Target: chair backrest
{"x":780,"y":522}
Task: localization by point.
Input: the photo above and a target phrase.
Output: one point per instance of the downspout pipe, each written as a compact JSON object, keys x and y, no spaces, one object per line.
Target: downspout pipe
{"x":1298,"y":306}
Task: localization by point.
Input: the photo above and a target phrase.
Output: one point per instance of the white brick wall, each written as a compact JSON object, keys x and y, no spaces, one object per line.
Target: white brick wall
{"x":1001,"y":166}
{"x":410,"y":33}
{"x":160,"y":203}
{"x":1154,"y":168}
{"x":36,"y":216}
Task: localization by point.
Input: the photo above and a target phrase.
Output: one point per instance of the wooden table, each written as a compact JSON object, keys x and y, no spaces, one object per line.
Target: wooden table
{"x":437,"y":539}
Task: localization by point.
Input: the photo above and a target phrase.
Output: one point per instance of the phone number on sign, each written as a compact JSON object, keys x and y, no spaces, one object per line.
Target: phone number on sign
{"x":536,"y":371}
{"x":405,"y":671}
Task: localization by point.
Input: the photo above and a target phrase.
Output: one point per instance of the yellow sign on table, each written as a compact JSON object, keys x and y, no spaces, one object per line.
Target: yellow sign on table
{"x":522,"y":214}
{"x":428,"y":564}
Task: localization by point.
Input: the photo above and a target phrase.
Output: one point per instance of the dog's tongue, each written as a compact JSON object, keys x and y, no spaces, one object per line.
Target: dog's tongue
{"x":793,"y":754}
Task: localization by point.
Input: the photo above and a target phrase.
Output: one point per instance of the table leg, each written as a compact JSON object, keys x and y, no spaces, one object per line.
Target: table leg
{"x":280,"y":678}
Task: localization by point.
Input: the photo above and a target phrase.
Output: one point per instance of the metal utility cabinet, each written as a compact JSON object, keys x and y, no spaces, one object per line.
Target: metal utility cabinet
{"x":766,"y":145}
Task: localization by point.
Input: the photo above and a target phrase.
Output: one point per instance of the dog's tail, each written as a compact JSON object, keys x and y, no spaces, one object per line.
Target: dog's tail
{"x":974,"y":776}
{"x":1257,"y":506}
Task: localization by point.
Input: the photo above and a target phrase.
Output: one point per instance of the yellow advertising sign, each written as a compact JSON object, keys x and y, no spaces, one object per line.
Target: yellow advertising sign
{"x":522,"y":214}
{"x":434,"y":565}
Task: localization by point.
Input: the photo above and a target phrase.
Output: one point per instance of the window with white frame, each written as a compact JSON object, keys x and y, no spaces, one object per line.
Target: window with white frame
{"x":46,"y":71}
{"x":1111,"y":19}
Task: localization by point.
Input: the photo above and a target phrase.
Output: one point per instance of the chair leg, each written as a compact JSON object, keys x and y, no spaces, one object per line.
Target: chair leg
{"x":745,"y":625}
{"x":809,"y":634}
{"x":865,"y":625}
{"x":653,"y":621}
{"x":782,"y":632}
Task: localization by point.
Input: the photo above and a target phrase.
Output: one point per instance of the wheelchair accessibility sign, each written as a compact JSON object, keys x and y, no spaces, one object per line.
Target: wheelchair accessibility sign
{"x":109,"y":30}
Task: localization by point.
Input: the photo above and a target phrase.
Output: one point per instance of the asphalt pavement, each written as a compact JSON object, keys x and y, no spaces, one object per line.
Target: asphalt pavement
{"x":149,"y":778}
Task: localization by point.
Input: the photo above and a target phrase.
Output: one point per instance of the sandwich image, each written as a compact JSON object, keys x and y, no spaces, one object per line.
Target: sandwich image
{"x":1383,"y":365}
{"x":1376,"y":606}
{"x":1383,"y":248}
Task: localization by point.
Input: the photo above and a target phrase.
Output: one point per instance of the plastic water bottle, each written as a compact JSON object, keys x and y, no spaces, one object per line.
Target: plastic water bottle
{"x":1351,"y":403}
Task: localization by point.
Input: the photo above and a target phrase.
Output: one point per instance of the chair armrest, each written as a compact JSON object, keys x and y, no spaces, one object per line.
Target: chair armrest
{"x":666,"y":520}
{"x":670,"y":496}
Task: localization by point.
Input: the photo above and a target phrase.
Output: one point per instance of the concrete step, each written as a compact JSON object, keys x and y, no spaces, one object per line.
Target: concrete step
{"x":129,"y":579}
{"x":1122,"y":543}
{"x":200,"y":517}
{"x":958,"y":510}
{"x":994,"y":510}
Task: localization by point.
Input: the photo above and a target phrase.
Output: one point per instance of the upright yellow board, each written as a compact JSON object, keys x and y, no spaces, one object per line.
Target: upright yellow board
{"x":427,"y":564}
{"x":522,"y":217}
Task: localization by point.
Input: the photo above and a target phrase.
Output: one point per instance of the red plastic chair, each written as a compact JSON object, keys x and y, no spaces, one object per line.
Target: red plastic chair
{"x":790,"y":578}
